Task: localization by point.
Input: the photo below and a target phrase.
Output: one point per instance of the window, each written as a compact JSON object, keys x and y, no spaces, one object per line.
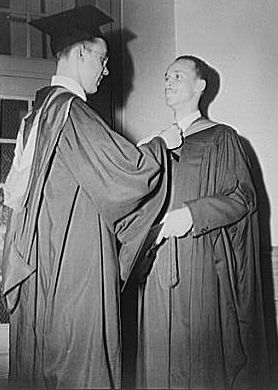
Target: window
{"x":11,"y":113}
{"x":18,"y":38}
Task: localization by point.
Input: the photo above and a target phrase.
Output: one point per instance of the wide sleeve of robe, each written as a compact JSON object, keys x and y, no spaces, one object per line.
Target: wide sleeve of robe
{"x":229,"y":193}
{"x":127,"y":184}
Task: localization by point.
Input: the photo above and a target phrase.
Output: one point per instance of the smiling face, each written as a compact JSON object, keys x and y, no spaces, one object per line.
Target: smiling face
{"x":183,"y":87}
{"x":93,"y":64}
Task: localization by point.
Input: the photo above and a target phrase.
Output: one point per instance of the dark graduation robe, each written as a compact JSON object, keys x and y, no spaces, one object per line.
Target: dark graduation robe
{"x":88,"y":189}
{"x":201,"y":322}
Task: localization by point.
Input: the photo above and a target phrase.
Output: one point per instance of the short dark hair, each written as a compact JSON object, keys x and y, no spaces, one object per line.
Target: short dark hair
{"x":65,"y":52}
{"x":211,"y":77}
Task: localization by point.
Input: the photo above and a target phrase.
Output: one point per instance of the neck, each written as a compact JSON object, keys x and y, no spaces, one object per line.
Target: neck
{"x":184,"y":108}
{"x":64,"y":68}
{"x":182,"y":112}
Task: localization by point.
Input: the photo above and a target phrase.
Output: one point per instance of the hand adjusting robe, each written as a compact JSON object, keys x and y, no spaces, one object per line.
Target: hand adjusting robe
{"x":88,"y":188}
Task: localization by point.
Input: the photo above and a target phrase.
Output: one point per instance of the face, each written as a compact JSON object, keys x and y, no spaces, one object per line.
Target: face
{"x":181,"y":84}
{"x":93,"y":65}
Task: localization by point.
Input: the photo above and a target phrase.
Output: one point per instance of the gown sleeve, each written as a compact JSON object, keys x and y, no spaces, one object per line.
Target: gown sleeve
{"x":232,"y":191}
{"x":127,"y":184}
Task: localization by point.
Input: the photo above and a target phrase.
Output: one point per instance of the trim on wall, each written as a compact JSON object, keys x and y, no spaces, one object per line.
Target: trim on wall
{"x":35,"y":68}
{"x":20,"y":77}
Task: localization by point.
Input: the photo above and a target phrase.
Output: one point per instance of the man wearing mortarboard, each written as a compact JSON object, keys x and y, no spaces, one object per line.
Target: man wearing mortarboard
{"x":75,"y":188}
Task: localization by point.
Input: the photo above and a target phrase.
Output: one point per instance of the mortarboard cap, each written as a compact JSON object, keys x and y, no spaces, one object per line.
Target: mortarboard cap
{"x":72,"y":26}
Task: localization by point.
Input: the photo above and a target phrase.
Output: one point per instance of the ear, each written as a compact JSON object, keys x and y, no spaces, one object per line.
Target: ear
{"x":201,"y":85}
{"x":80,"y":50}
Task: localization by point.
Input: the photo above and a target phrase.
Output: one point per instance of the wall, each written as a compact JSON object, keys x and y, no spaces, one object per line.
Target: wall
{"x":150,"y":46}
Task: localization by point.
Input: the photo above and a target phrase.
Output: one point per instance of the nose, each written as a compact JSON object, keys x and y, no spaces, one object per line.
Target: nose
{"x":169,"y":82}
{"x":105,"y":71}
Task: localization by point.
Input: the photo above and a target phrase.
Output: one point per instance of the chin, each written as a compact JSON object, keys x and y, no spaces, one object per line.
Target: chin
{"x":170,"y":102}
{"x":170,"y":99}
{"x":92,"y":90}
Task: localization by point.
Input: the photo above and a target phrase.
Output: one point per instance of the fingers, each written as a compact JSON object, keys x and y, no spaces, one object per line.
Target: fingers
{"x":160,"y":236}
{"x":176,"y":223}
{"x":164,"y":219}
{"x":172,"y":136}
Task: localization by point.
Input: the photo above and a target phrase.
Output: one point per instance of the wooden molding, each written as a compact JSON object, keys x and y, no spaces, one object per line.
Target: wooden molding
{"x":34,"y":68}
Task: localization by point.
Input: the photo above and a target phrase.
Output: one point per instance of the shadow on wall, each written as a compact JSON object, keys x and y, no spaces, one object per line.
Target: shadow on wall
{"x":266,"y":258}
{"x":114,"y":90}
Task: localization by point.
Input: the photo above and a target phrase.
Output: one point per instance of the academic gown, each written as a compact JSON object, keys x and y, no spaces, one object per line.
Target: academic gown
{"x":201,"y":320}
{"x":88,"y":189}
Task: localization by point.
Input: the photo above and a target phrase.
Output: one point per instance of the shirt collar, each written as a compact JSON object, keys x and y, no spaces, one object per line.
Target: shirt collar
{"x":185,"y":122}
{"x":69,"y":84}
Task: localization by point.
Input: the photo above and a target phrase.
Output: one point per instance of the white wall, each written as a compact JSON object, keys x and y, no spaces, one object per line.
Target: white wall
{"x":152,"y":23}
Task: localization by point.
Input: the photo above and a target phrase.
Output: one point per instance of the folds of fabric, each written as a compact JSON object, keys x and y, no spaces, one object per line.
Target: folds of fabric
{"x":87,"y":187}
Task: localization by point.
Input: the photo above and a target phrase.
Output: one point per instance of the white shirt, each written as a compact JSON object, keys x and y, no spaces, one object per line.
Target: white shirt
{"x":17,"y":180}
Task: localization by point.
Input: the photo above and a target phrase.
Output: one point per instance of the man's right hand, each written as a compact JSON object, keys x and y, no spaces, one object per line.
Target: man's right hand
{"x":172,"y":136}
{"x":176,"y":223}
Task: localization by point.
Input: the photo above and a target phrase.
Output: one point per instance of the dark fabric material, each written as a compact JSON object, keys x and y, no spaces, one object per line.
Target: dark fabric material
{"x":40,"y":99}
{"x":201,"y":323}
{"x":144,"y":258}
{"x":89,"y":187}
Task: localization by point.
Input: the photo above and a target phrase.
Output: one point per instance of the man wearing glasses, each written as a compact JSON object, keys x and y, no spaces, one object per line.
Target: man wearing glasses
{"x":75,"y":188}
